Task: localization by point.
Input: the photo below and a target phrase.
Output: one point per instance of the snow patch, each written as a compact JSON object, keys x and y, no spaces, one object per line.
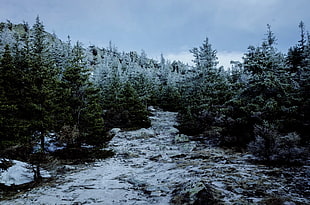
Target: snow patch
{"x":19,"y":173}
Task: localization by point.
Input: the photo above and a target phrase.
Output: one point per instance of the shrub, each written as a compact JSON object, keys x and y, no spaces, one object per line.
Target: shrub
{"x":272,"y":147}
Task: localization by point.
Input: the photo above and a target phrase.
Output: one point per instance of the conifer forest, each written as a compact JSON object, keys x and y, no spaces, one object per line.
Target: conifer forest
{"x":65,"y":107}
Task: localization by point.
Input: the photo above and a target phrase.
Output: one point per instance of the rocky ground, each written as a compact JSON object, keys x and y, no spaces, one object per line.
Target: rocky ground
{"x":159,"y":166}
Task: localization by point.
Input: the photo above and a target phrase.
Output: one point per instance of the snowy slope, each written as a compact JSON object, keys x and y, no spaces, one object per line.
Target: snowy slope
{"x":150,"y":164}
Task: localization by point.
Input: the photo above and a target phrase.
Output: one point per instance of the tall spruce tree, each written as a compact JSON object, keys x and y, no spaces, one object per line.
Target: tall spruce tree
{"x":42,"y":76}
{"x":10,"y":86}
{"x":204,"y":93}
{"x":265,"y":96}
{"x":298,"y":60}
{"x":127,"y":110}
{"x":205,"y":57}
{"x":82,"y":121}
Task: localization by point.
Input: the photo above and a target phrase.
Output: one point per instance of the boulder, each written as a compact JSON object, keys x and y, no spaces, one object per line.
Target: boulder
{"x":197,"y":193}
{"x":180,"y":138}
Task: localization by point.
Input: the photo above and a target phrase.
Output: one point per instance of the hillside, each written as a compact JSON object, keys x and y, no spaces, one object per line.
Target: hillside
{"x":60,"y":100}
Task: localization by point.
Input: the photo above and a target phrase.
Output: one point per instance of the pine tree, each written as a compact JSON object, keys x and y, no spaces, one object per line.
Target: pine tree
{"x":204,"y":57}
{"x":298,"y":65}
{"x":8,"y":106}
{"x":296,"y":54}
{"x":41,"y":79}
{"x":92,"y":126}
{"x":127,"y":110}
{"x":73,"y":84}
{"x":111,"y":87}
{"x":143,"y":61}
{"x":267,"y":96}
{"x":303,"y":40}
{"x":204,"y":93}
{"x":81,"y":103}
{"x":133,"y":107}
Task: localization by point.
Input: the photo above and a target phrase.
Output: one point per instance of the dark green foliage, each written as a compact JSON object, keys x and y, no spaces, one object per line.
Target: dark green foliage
{"x":294,"y":59}
{"x":42,"y":93}
{"x":204,"y":94}
{"x":204,"y":56}
{"x":79,"y":155}
{"x":91,"y":123}
{"x":169,"y":98}
{"x":196,"y":95}
{"x":126,"y":110}
{"x":144,"y":88}
{"x":82,"y":120}
{"x":41,"y":79}
{"x":190,"y":121}
{"x":268,"y":96}
{"x":298,"y":61}
{"x":233,"y":108}
{"x":272,"y":147}
{"x":10,"y":102}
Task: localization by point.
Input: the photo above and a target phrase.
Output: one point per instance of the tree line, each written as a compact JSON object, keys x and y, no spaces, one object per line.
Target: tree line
{"x":44,"y":91}
{"x":260,"y":105}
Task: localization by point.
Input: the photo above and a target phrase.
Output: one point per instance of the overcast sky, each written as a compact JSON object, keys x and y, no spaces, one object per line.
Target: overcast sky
{"x":171,"y":27}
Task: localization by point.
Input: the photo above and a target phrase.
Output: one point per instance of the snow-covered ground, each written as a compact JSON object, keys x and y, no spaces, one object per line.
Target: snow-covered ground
{"x":19,"y":173}
{"x":150,"y":164}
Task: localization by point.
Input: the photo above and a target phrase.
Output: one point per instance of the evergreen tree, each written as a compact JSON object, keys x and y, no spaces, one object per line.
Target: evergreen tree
{"x":80,"y":103}
{"x":204,"y":57}
{"x":41,"y":79}
{"x":268,"y":95}
{"x":111,"y":87}
{"x":303,"y":40}
{"x":297,"y":54}
{"x":133,"y":108}
{"x":169,"y":98}
{"x":127,"y":110}
{"x":143,"y":87}
{"x":143,"y":61}
{"x":10,"y":86}
{"x":204,"y":93}
{"x":92,"y":126}
{"x":299,"y":66}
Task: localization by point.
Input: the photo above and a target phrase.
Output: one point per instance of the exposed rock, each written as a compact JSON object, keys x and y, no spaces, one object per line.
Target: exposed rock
{"x":180,"y":138}
{"x":197,"y":193}
{"x":155,"y":157}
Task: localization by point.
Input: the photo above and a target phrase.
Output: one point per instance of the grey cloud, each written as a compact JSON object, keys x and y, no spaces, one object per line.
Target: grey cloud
{"x":167,"y":25}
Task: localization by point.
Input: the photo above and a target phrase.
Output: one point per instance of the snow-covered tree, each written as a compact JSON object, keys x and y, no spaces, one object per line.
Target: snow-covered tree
{"x":205,"y":57}
{"x":80,"y":103}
